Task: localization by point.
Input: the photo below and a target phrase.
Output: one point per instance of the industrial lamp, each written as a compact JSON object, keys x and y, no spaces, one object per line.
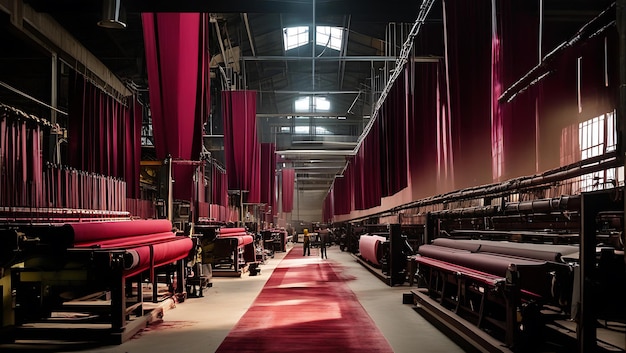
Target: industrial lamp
{"x":113,"y":14}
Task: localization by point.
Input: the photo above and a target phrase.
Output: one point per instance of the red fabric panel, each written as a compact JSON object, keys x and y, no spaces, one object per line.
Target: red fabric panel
{"x":95,"y":129}
{"x":268,"y":168}
{"x":422,"y":128}
{"x":343,"y":192}
{"x":183,"y":175}
{"x":369,"y":246}
{"x":369,"y":154}
{"x":468,"y":58}
{"x":288,"y":179}
{"x":241,"y":147}
{"x":172,"y":44}
{"x":132,"y":153}
{"x":219,"y":191}
{"x":392,"y":121}
{"x":514,"y":52}
{"x":90,"y":232}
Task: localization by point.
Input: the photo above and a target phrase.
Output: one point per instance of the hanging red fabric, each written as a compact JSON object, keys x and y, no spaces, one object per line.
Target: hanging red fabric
{"x":288,"y":178}
{"x":241,"y":147}
{"x":176,"y":54}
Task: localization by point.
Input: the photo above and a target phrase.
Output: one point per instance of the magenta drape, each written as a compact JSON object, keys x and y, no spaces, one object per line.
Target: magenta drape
{"x":268,"y":167}
{"x":132,"y":155}
{"x":96,"y":130}
{"x":104,"y":135}
{"x":343,"y":190}
{"x":241,"y":147}
{"x":364,"y":180}
{"x":176,"y":62}
{"x":514,"y":53}
{"x":287,"y":185}
{"x":468,"y":58}
{"x":21,"y":161}
{"x":369,"y":154}
{"x":426,"y":143}
{"x":219,"y":189}
{"x":393,"y":150}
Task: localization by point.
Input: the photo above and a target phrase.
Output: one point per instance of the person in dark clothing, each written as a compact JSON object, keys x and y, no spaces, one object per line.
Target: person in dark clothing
{"x":306,"y":247}
{"x":324,"y":240}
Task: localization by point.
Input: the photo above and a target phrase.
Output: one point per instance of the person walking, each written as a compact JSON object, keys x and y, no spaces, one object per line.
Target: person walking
{"x":306,"y":243}
{"x":324,"y":240}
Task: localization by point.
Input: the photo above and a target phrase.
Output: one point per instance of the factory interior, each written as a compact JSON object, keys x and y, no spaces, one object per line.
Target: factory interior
{"x":172,"y":174}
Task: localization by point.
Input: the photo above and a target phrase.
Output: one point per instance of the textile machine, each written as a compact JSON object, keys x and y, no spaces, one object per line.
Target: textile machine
{"x":518,"y":290}
{"x":275,"y":240}
{"x":385,"y":253}
{"x":89,"y":279}
{"x":227,"y":250}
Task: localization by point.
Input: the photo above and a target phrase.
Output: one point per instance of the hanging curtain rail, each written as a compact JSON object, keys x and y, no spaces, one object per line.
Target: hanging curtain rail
{"x":520,"y":184}
{"x":23,"y":94}
{"x":594,"y":27}
{"x":400,"y":61}
{"x":98,"y":82}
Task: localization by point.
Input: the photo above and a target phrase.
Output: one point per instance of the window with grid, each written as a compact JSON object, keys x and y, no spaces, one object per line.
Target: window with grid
{"x":295,"y":36}
{"x":330,"y":37}
{"x":598,"y":136}
{"x":312,"y":104}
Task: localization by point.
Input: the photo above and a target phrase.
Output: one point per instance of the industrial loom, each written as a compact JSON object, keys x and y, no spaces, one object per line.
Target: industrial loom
{"x":229,"y":251}
{"x":520,"y":290}
{"x":88,"y":279}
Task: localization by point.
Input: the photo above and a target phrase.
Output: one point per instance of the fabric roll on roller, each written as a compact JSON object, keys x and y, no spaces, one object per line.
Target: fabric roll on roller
{"x":241,"y":239}
{"x":126,"y":242}
{"x":227,"y":231}
{"x":163,"y":253}
{"x":490,"y":263}
{"x":538,"y":277}
{"x":240,"y":233}
{"x":370,"y":249}
{"x":546,"y":252}
{"x":131,"y":259}
{"x":86,"y":233}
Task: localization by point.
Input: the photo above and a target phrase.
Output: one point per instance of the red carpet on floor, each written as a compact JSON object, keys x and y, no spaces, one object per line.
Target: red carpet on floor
{"x":305,"y":306}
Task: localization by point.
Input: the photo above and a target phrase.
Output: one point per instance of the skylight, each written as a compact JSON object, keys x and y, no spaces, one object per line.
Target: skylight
{"x":295,"y":36}
{"x":326,"y":36}
{"x":319,"y":104}
{"x":330,"y":37}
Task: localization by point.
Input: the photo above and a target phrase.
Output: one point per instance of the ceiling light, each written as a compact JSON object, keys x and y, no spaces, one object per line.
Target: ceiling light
{"x":113,"y":14}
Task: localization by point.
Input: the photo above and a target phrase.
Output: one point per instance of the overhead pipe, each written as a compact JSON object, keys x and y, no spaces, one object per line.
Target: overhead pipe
{"x":590,"y":165}
{"x":400,"y":62}
{"x":537,"y":73}
{"x":558,"y":204}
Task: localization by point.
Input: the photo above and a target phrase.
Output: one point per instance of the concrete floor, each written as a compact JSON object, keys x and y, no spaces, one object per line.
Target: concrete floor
{"x":201,"y":324}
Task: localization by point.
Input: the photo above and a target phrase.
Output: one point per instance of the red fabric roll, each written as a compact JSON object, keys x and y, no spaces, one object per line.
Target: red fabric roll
{"x":164,"y":253}
{"x":241,"y":239}
{"x":369,"y":246}
{"x":130,"y":241}
{"x":485,"y":262}
{"x":546,"y":252}
{"x":224,"y":231}
{"x":85,"y":233}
